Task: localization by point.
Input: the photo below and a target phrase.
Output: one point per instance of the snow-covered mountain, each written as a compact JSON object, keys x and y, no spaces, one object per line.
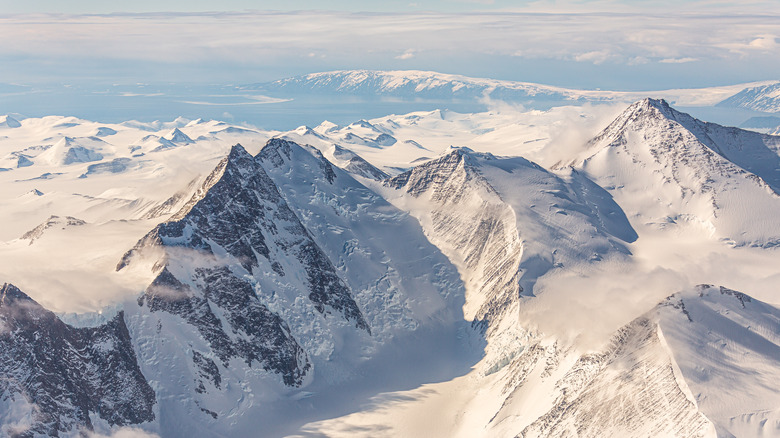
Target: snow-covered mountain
{"x":58,"y":378}
{"x":668,"y":168}
{"x":70,"y":150}
{"x":433,"y":85}
{"x":682,"y":369}
{"x":724,"y":343}
{"x":258,"y":305}
{"x":505,"y":222}
{"x":372,"y":279}
{"x":423,"y":84}
{"x":763,"y":98}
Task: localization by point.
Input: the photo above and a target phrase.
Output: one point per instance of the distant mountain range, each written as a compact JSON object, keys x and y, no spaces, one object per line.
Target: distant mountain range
{"x":763,"y":96}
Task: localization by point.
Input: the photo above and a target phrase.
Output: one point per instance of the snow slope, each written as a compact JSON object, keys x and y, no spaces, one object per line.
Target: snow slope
{"x":726,"y":345}
{"x":764,"y":98}
{"x":119,"y":198}
{"x":372,"y":280}
{"x":668,"y":169}
{"x":258,"y":308}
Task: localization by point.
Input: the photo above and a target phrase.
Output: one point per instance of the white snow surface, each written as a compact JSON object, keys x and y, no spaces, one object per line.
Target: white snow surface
{"x":564,"y":264}
{"x":668,"y":169}
{"x":764,"y":97}
{"x":127,"y":194}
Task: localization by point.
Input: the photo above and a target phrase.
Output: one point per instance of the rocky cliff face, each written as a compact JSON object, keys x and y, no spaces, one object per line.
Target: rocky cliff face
{"x":236,"y":229}
{"x":239,"y":214}
{"x":247,"y":330}
{"x":399,"y":280}
{"x":507,"y":221}
{"x":468,"y":220}
{"x":286,"y":284}
{"x":65,"y":377}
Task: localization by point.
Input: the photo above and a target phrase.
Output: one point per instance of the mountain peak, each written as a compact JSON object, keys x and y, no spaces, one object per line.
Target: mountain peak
{"x":10,"y":294}
{"x":65,"y":141}
{"x":237,"y":158}
{"x":646,"y":114}
{"x":657,"y":103}
{"x":649,"y":105}
{"x":275,"y":148}
{"x":469,"y":156}
{"x":237,"y":151}
{"x":177,"y":136}
{"x":698,"y":163}
{"x":278,"y":150}
{"x":458,"y":150}
{"x":452,"y":160}
{"x":34,"y":192}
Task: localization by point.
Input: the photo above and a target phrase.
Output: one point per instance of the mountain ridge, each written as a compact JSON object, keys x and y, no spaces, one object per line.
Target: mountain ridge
{"x":696,"y":168}
{"x":292,"y":293}
{"x":433,"y":85}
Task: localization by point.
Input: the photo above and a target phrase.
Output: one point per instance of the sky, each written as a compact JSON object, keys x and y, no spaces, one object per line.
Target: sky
{"x":104,"y":6}
{"x":607,"y":44}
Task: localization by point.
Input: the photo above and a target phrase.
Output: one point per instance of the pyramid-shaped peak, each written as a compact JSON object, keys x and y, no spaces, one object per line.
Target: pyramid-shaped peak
{"x":65,"y":141}
{"x":655,"y":106}
{"x":238,"y":151}
{"x":660,"y":109}
{"x":177,"y":136}
{"x":237,"y":158}
{"x":278,"y":143}
{"x":643,"y":114}
{"x":195,"y":122}
{"x":10,"y":294}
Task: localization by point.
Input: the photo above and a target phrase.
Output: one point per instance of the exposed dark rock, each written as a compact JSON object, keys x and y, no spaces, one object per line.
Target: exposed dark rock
{"x":69,"y":373}
{"x":52,"y":221}
{"x":238,"y":223}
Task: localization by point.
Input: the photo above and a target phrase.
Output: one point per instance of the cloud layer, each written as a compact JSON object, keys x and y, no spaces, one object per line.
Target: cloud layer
{"x":265,"y":45}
